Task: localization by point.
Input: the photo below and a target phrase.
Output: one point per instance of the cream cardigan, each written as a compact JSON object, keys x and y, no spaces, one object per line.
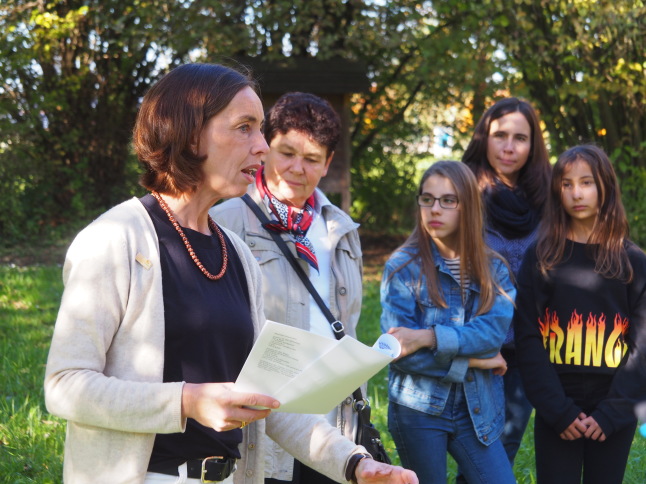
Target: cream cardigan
{"x":105,"y":365}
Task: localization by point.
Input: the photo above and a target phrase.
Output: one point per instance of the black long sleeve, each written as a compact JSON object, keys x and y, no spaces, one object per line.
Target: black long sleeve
{"x":575,"y":324}
{"x":540,"y":379}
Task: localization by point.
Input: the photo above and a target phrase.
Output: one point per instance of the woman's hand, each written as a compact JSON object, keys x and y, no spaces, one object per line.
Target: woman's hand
{"x":496,"y":363}
{"x":593,"y":431}
{"x":412,"y":340}
{"x":220,"y":407}
{"x":576,"y":429}
{"x":370,"y":471}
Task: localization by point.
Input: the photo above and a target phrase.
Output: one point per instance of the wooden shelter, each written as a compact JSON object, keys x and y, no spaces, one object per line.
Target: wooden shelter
{"x":334,"y":80}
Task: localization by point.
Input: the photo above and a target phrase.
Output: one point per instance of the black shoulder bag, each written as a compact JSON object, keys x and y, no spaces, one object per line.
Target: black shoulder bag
{"x":367,"y":433}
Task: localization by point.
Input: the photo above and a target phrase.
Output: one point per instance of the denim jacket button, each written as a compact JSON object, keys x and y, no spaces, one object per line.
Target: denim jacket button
{"x":485,"y":438}
{"x":469,"y":377}
{"x":477,"y":410}
{"x":343,"y":291}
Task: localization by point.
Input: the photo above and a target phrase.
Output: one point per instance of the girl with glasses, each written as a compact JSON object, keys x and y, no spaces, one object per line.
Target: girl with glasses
{"x":448,"y":299}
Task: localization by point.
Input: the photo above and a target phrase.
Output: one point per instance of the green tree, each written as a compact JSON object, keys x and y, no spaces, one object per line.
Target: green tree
{"x":583,"y":63}
{"x":71,"y":76}
{"x":587,"y":69}
{"x":73,"y":73}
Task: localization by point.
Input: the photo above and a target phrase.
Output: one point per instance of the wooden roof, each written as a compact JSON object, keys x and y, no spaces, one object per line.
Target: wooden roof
{"x":330,"y":76}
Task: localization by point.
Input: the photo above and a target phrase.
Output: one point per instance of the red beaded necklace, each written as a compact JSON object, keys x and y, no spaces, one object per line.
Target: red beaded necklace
{"x":214,"y":228}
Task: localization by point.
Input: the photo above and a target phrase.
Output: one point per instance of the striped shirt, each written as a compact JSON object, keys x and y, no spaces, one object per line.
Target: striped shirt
{"x":454,"y":267}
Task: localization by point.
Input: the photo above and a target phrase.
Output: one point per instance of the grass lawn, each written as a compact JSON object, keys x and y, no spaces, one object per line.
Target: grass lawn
{"x":31,"y":440}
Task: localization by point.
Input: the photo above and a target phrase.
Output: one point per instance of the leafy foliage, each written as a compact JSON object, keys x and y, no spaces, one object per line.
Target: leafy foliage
{"x":72,"y":74}
{"x":583,"y":65}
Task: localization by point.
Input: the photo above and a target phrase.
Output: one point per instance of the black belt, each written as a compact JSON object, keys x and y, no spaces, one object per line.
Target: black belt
{"x":211,"y":469}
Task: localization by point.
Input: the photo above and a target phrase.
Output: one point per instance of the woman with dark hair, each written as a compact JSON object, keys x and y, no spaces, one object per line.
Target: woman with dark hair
{"x":162,"y":306}
{"x":448,"y":299}
{"x":580,"y":325}
{"x":508,"y":147}
{"x":508,"y":156}
{"x":302,"y":131}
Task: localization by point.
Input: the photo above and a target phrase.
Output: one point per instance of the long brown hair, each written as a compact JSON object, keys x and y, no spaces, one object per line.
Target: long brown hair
{"x":474,"y":253}
{"x":535,"y":175}
{"x":610,"y":232}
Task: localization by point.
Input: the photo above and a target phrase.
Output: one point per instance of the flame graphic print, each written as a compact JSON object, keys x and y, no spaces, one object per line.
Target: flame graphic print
{"x":581,"y":343}
{"x":616,"y":347}
{"x":594,"y":331}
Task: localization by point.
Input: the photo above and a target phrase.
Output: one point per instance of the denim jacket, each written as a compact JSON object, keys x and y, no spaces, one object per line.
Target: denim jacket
{"x":422,"y":381}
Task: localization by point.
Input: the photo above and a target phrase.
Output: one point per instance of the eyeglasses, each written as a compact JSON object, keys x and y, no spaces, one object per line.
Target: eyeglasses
{"x":448,"y":202}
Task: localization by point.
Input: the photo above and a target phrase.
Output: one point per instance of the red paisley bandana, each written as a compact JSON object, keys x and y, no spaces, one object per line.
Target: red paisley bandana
{"x":289,"y":219}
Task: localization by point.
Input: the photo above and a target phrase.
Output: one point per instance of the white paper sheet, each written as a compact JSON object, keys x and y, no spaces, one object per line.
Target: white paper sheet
{"x":307,"y":372}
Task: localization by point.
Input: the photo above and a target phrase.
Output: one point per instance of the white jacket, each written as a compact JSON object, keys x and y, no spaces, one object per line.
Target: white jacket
{"x":105,"y":366}
{"x":286,"y":299}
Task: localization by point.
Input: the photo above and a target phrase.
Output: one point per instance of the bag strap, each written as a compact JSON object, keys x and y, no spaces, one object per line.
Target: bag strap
{"x":337,"y":326}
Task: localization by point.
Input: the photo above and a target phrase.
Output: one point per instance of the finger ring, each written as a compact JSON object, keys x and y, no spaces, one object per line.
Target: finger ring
{"x":243,"y":424}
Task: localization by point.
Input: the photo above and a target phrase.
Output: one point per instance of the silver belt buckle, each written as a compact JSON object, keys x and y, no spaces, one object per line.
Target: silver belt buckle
{"x":203,"y":474}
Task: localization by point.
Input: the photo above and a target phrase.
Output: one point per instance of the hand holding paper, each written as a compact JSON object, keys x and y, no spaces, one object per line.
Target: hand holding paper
{"x":309,"y":373}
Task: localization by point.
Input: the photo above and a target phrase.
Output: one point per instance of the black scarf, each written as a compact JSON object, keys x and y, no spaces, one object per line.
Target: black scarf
{"x":509,"y":212}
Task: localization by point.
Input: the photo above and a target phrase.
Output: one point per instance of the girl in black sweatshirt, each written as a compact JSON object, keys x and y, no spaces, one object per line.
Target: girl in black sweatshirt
{"x":580,"y":325}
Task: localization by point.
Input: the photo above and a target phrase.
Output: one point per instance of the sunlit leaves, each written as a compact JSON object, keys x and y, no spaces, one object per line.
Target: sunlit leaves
{"x":72,"y":73}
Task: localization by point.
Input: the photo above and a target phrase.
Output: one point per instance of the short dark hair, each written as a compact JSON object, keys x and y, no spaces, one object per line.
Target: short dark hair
{"x":307,"y":114}
{"x":534,"y":177}
{"x":172,"y":115}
